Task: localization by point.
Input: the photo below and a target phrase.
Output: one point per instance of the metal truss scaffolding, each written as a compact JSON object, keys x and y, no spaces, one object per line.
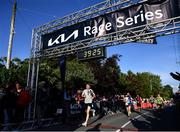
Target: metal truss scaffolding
{"x":151,"y":30}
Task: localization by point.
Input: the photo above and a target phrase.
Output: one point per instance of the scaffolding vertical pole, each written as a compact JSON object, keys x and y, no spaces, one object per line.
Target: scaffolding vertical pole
{"x":31,"y":75}
{"x":36,"y":88}
{"x":30,"y":61}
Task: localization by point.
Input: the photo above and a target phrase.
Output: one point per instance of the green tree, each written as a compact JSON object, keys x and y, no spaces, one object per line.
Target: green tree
{"x":143,"y":84}
{"x":167,"y":92}
{"x":132,"y":83}
{"x":76,"y":73}
{"x":17,"y":72}
{"x":4,"y":77}
{"x":106,"y":73}
{"x":123,"y":83}
{"x":3,"y":61}
{"x":49,"y":72}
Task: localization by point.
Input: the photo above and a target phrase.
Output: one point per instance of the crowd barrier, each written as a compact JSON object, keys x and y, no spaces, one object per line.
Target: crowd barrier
{"x":145,"y":106}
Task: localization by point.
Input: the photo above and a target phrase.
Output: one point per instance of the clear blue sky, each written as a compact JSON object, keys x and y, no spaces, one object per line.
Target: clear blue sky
{"x":160,"y":59}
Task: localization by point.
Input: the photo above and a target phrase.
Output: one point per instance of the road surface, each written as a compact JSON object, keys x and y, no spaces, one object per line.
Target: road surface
{"x":146,"y":120}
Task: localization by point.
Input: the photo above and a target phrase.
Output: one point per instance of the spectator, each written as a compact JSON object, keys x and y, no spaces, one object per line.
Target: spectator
{"x":103,"y":106}
{"x":159,"y":101}
{"x":42,"y":102}
{"x":139,"y":101}
{"x":23,"y":99}
{"x":122,"y":103}
{"x":177,"y":102}
{"x":8,"y":104}
{"x":68,"y":97}
{"x":1,"y":108}
{"x":78,"y":97}
{"x":79,"y":101}
{"x":152,"y":100}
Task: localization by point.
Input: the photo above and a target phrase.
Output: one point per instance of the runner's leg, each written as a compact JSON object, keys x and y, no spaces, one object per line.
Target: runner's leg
{"x":87,"y":115}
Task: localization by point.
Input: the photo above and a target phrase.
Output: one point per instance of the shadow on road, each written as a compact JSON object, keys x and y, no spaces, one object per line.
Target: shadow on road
{"x":99,"y":117}
{"x":95,"y":128}
{"x":74,"y":124}
{"x":165,"y":120}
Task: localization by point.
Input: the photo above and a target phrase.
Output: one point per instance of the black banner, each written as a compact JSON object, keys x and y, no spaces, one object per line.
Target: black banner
{"x":133,"y":16}
{"x":170,"y":8}
{"x":62,"y":65}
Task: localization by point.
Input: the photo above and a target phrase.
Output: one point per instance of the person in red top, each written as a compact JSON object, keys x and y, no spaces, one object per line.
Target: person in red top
{"x":23,"y":99}
{"x":139,"y":101}
{"x":78,"y":97}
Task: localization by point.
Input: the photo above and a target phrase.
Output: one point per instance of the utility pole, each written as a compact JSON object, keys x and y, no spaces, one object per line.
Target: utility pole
{"x":151,"y":85}
{"x":11,"y":35}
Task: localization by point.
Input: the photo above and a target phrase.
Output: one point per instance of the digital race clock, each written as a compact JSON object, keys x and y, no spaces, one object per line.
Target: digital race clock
{"x":94,"y":53}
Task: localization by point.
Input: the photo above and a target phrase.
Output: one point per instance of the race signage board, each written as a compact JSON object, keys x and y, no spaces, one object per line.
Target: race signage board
{"x":121,"y":19}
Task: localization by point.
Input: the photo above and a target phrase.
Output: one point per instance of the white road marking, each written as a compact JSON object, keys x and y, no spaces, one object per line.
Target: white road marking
{"x":133,"y":119}
{"x":118,"y":130}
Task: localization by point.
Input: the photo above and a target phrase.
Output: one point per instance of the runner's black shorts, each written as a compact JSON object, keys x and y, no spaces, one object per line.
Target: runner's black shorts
{"x":129,"y":104}
{"x":88,"y":104}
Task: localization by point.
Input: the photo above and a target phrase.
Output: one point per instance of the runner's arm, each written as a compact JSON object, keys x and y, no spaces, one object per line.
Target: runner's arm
{"x":93,"y":94}
{"x":83,"y":94}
